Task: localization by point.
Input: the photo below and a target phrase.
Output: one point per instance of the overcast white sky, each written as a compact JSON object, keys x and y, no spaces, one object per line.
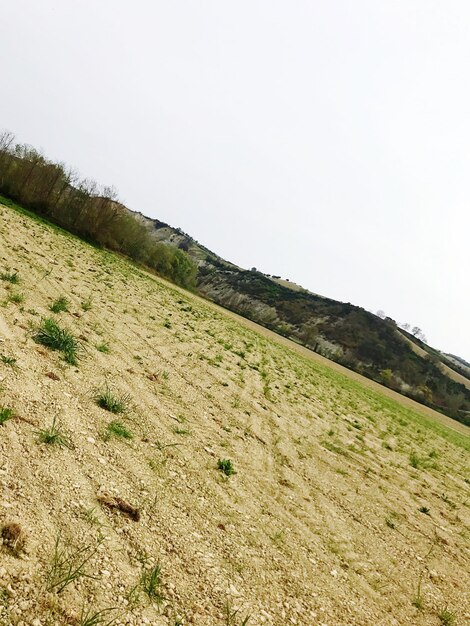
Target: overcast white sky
{"x":325,"y":141}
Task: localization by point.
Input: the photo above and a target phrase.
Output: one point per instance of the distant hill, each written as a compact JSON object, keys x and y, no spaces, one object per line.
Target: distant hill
{"x":343,"y":332}
{"x":460,"y":364}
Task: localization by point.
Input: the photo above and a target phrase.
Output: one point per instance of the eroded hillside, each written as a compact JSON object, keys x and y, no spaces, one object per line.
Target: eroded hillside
{"x":346,"y":508}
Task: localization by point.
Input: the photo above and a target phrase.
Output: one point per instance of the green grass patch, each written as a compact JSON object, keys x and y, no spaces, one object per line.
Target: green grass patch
{"x":446,"y":617}
{"x":8,"y":360}
{"x":67,"y":565}
{"x":54,"y":435}
{"x":334,"y":447}
{"x":226,"y":466}
{"x":151,"y":584}
{"x":51,"y":335}
{"x":89,"y":617}
{"x":5,"y":415}
{"x":60,"y":305}
{"x":15,"y":297}
{"x":117,"y":429}
{"x":10,"y":277}
{"x":108,"y":400}
{"x":87,"y":304}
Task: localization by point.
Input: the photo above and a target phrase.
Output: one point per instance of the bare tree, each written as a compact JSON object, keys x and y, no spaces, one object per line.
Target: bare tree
{"x":418,"y":333}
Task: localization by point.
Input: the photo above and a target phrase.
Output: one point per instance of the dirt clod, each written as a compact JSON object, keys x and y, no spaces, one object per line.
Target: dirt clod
{"x":114,"y":502}
{"x":52,"y":376}
{"x":14,"y":537}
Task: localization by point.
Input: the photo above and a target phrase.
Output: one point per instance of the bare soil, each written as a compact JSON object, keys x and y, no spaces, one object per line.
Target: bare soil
{"x":349,"y":506}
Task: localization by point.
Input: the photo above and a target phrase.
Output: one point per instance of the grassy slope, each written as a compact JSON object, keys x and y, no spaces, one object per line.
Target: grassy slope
{"x":320,"y":525}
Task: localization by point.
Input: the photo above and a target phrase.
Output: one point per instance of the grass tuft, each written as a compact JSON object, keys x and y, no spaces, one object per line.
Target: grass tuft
{"x":5,"y":415}
{"x":181,"y":431}
{"x":98,"y":618}
{"x":16,"y":298}
{"x":226,"y":466}
{"x":117,"y":429}
{"x":51,"y":335}
{"x":10,"y":277}
{"x":60,"y":305}
{"x":151,"y":584}
{"x":231,"y":617}
{"x":67,"y":565}
{"x":447,"y":617}
{"x":53,"y":435}
{"x":415,"y":460}
{"x":107,"y":400}
{"x":87,"y":304}
{"x":418,"y":600}
{"x":8,"y":360}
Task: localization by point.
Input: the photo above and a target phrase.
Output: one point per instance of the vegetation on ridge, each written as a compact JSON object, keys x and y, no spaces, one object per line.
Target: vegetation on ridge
{"x":85,"y":209}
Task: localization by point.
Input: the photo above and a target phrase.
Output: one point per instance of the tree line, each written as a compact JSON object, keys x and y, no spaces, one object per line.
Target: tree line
{"x":83,"y":207}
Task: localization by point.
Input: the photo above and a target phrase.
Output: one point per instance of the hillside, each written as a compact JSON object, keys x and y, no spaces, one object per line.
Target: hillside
{"x":346,"y":508}
{"x":343,"y":332}
{"x":459,"y":361}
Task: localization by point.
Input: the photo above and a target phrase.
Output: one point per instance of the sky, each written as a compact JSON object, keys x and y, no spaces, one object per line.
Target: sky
{"x":325,"y":142}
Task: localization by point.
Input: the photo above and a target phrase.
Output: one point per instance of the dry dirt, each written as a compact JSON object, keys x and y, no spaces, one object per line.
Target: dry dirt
{"x":347,"y":507}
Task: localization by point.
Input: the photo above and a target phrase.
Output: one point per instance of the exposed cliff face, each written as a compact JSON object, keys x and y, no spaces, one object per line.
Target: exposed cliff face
{"x":341,"y":331}
{"x":215,"y":286}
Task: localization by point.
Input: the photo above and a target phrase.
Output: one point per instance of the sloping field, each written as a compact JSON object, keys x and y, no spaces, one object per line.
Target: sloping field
{"x":365,"y":382}
{"x":346,"y":508}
